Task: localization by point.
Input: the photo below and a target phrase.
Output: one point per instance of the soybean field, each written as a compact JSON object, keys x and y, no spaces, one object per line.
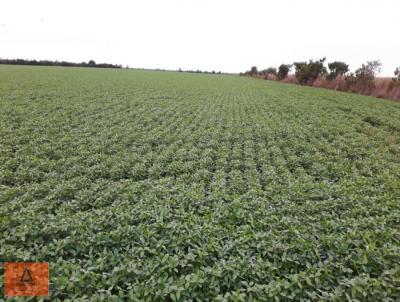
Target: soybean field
{"x":165,"y":186}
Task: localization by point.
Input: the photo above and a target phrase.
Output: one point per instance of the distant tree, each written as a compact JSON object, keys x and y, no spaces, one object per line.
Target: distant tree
{"x":253,"y":71}
{"x":337,"y":68}
{"x":369,"y":70}
{"x":283,"y":71}
{"x":56,"y":63}
{"x":307,"y":72}
{"x":271,"y":70}
{"x":363,"y":80}
{"x":269,"y":73}
{"x":397,"y":74}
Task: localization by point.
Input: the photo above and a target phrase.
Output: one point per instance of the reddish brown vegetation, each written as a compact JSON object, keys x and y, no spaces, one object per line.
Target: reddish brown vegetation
{"x":313,"y":73}
{"x":271,"y":77}
{"x":385,"y":88}
{"x":290,"y":79}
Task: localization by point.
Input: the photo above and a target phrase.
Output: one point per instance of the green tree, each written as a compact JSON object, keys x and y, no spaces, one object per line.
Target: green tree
{"x":271,"y":70}
{"x":307,"y":72}
{"x":397,"y":74}
{"x":253,"y":71}
{"x":283,"y":71}
{"x":337,"y":68}
{"x":364,"y":77}
{"x":368,"y":71}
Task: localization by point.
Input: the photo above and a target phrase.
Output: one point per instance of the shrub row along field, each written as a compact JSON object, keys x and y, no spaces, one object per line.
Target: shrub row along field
{"x":150,"y":186}
{"x":314,"y":73}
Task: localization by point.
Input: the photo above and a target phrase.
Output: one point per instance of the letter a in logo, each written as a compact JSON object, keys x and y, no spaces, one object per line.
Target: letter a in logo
{"x":26,"y":276}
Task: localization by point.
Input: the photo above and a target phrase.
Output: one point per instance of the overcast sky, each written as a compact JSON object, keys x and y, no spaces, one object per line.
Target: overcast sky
{"x":226,"y":35}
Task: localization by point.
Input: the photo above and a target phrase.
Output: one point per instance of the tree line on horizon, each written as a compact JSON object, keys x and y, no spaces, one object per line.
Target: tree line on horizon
{"x":90,"y":63}
{"x":337,"y":76}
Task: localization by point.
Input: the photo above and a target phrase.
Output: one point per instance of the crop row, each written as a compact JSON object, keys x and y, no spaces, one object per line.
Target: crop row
{"x":169,"y":187}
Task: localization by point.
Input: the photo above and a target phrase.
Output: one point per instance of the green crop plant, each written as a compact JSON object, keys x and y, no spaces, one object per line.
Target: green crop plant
{"x":163,"y":186}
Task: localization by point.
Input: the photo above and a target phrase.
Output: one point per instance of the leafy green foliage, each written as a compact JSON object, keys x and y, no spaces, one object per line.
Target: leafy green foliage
{"x":283,"y":71}
{"x":151,"y":186}
{"x":307,"y":72}
{"x":397,"y":74}
{"x":91,"y":63}
{"x":253,"y":71}
{"x":270,"y":70}
{"x":337,"y":68}
{"x":364,"y":77}
{"x":367,"y":72}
